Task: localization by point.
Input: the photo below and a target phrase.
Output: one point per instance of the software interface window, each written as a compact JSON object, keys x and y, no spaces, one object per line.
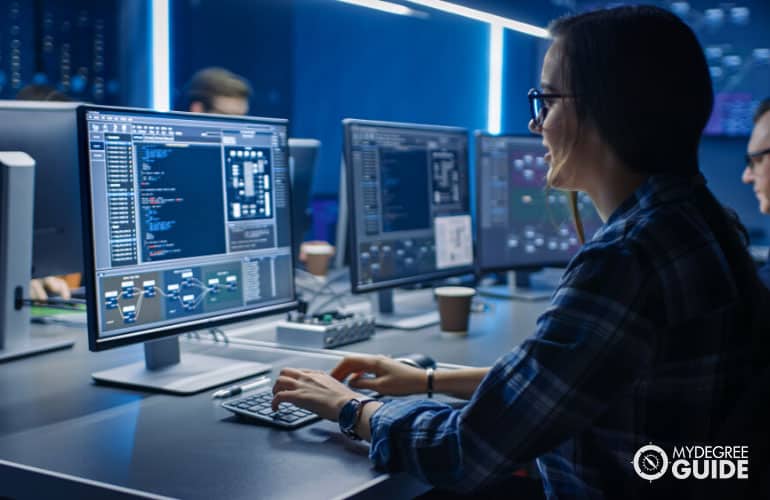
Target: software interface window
{"x":190,"y":219}
{"x":411,"y":201}
{"x":521,"y":222}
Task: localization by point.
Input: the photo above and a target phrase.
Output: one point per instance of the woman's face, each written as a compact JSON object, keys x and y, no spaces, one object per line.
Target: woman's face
{"x":560,"y":129}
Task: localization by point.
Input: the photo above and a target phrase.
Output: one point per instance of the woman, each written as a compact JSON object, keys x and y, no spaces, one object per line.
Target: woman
{"x":655,"y":326}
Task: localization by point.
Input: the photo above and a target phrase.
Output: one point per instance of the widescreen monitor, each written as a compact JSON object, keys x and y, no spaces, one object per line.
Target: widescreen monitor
{"x":521,"y":224}
{"x":188,"y":226}
{"x":408,"y":203}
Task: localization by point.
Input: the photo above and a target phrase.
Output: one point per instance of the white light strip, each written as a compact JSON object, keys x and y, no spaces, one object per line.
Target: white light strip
{"x":392,"y":8}
{"x":486,"y":17}
{"x":161,"y":64}
{"x":495,"y":98}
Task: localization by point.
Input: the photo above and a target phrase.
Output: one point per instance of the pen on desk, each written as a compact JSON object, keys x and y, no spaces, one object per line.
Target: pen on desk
{"x":237,"y":389}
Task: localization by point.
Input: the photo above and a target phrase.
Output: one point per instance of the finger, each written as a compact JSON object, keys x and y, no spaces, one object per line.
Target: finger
{"x":285,"y":384}
{"x":354,"y":364}
{"x":286,"y":397}
{"x":36,"y":290}
{"x":60,"y":287}
{"x":291,"y":372}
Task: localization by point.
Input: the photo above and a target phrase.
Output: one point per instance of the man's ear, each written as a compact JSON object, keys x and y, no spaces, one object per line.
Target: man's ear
{"x":197,"y":107}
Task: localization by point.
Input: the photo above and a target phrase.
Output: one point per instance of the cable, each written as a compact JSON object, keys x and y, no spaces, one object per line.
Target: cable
{"x":336,"y":297}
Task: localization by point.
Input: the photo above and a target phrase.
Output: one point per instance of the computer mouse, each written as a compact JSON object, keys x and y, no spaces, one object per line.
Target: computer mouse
{"x":417,"y":360}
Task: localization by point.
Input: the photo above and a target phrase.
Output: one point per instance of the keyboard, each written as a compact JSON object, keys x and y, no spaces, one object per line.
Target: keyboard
{"x":258,"y":406}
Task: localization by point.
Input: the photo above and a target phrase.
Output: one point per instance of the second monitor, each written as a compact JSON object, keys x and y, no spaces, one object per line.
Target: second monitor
{"x":522,"y":226}
{"x":409,"y":207}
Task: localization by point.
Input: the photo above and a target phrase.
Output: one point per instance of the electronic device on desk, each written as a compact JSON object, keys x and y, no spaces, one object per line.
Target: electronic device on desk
{"x":522,"y":227}
{"x":258,"y":406}
{"x":17,"y":173}
{"x":169,"y":252}
{"x":408,"y":205}
{"x":325,"y":330}
{"x":303,"y":154}
{"x":47,"y":131}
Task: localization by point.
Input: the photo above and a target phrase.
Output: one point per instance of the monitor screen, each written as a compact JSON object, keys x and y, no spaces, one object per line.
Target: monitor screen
{"x":520,"y":223}
{"x":409,"y":203}
{"x":189,"y":221}
{"x":47,"y":131}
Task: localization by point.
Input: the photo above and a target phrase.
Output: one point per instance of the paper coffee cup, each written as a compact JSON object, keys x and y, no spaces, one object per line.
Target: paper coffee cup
{"x":316,"y":256}
{"x":454,"y":307}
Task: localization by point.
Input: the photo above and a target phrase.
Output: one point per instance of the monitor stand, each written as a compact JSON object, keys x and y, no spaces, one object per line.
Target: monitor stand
{"x":519,"y":287}
{"x":382,"y":308}
{"x":17,"y":172}
{"x":164,"y":370}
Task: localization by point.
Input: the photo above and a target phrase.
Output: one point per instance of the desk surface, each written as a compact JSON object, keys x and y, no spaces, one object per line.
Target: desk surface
{"x":54,"y":418}
{"x":490,"y":335}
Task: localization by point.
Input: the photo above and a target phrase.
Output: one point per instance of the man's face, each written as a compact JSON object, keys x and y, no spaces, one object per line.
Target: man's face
{"x":758,"y":171}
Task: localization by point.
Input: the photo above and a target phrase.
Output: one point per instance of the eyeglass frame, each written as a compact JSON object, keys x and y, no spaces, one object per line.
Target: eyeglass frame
{"x":535,"y":94}
{"x":751,"y":158}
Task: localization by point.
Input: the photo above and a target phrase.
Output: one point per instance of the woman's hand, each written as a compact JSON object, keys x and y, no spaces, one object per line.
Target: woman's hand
{"x":312,"y":390}
{"x":391,"y":377}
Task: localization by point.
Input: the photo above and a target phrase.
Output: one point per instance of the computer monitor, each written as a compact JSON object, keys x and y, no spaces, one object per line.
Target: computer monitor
{"x":408,"y":205}
{"x":47,"y":131}
{"x":188,"y":222}
{"x":522,"y":225}
{"x":302,"y":161}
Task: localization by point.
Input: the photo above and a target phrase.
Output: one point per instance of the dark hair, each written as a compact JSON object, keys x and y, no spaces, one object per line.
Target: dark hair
{"x":209,"y":83}
{"x":36,"y":92}
{"x":641,"y":79}
{"x":764,"y":107}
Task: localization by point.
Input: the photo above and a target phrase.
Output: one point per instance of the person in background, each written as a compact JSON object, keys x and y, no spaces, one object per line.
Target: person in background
{"x":39,"y":289}
{"x":217,"y":90}
{"x":757,"y":171}
{"x":658,"y":324}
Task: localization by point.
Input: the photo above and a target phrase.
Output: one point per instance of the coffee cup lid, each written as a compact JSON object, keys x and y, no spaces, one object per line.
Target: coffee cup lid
{"x":317,"y":249}
{"x":454,"y":291}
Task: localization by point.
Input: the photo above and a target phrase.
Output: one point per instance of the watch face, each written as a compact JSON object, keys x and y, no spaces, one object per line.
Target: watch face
{"x":348,"y":415}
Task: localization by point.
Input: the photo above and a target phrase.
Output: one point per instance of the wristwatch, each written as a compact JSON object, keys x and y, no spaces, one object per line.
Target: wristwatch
{"x":349,"y":416}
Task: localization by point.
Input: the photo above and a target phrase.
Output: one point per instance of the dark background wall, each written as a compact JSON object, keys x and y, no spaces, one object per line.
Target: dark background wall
{"x":250,"y":37}
{"x":360,"y":63}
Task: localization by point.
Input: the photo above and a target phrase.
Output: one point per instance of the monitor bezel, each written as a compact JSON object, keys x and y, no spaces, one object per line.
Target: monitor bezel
{"x":352,"y":242}
{"x":96,"y":344}
{"x":480,"y":135}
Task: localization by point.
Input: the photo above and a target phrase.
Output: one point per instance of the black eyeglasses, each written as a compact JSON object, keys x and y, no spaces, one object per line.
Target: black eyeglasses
{"x":752,"y":158}
{"x":539,"y":105}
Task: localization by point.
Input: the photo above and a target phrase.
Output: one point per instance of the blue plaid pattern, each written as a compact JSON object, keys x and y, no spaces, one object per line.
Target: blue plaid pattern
{"x":642,"y":342}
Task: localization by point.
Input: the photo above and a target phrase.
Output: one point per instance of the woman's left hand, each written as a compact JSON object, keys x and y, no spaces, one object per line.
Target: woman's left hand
{"x":312,"y":390}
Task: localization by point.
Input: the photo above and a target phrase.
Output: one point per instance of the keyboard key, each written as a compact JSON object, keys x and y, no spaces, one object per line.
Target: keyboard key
{"x":259,"y":407}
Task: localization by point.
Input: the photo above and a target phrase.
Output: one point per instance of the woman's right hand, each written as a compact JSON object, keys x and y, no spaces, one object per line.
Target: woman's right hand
{"x":391,"y":377}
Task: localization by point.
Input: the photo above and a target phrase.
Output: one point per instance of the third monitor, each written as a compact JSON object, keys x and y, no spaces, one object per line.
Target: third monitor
{"x":523,"y":226}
